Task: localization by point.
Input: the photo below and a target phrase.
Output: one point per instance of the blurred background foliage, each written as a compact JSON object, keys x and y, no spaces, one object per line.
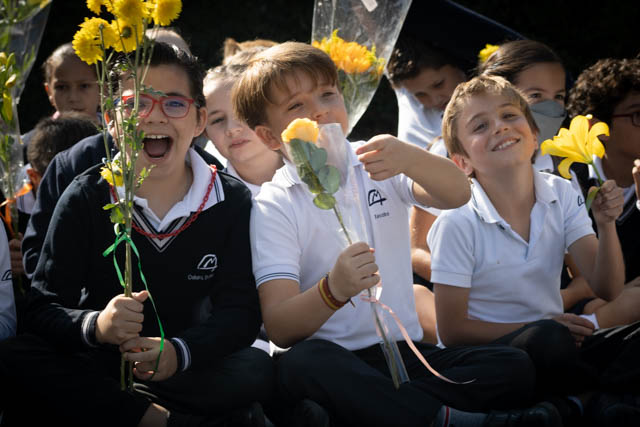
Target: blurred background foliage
{"x":581,"y":32}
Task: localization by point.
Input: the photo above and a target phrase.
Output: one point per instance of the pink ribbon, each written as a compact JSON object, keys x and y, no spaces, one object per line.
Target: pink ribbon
{"x":409,"y":341}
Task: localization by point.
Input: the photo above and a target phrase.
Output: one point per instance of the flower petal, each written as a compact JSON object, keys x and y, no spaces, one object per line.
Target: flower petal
{"x":564,"y":166}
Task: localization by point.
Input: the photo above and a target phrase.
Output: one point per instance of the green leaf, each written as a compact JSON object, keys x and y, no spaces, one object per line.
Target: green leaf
{"x":324,"y":201}
{"x":318,"y":157}
{"x":310,"y":178}
{"x":109,"y":206}
{"x":593,"y":192}
{"x":329,"y":177}
{"x":116,"y":216}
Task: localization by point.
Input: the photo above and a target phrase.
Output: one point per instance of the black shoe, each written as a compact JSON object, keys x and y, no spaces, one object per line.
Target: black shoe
{"x":543,"y":414}
{"x":609,"y":410}
{"x":308,"y":413}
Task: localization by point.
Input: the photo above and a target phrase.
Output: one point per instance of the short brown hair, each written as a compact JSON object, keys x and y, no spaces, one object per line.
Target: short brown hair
{"x":269,"y":69}
{"x":478,"y":86}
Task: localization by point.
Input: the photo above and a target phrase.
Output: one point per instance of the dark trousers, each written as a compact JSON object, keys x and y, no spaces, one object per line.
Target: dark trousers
{"x":603,"y":361}
{"x":356,"y":388}
{"x":41,"y":383}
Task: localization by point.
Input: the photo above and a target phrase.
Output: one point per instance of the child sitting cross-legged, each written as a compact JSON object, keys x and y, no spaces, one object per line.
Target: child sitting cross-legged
{"x":497,"y":261}
{"x":191,"y":229}
{"x":335,"y":359}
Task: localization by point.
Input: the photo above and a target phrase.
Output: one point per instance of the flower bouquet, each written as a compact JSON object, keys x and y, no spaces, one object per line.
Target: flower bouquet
{"x":22,"y":23}
{"x":579,"y":143}
{"x":359,"y":36}
{"x":95,"y":43}
{"x":321,"y":161}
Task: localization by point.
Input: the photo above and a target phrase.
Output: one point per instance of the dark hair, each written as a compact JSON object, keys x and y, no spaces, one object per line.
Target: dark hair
{"x":61,"y":53}
{"x":411,"y":55}
{"x":54,"y":135}
{"x":168,"y":54}
{"x":270,"y":69}
{"x":514,"y":57}
{"x":601,"y":87}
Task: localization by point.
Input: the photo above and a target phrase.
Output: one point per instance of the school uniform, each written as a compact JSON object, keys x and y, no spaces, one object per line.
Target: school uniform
{"x":418,"y":125}
{"x":511,"y":280}
{"x":341,"y":365}
{"x":65,"y":166}
{"x":202,"y":286}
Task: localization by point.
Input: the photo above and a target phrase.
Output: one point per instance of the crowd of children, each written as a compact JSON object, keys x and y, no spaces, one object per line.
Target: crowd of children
{"x":529,"y":314}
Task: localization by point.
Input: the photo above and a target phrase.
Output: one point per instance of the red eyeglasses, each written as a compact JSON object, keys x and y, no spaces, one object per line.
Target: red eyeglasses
{"x":175,"y":107}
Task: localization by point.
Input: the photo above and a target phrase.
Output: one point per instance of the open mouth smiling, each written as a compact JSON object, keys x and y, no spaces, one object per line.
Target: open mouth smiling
{"x":505,"y":144}
{"x":156,"y":146}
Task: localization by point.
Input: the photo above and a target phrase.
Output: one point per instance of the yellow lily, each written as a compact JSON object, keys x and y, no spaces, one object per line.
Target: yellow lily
{"x":579,"y":143}
{"x":485,"y":53}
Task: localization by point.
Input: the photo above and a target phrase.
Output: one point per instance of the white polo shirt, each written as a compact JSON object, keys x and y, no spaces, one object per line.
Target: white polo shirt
{"x":418,"y":125}
{"x":510,"y":280}
{"x":293,"y":239}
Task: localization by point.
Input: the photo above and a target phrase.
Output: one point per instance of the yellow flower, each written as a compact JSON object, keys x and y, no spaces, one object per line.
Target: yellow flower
{"x":94,"y":6}
{"x":350,"y":57}
{"x":303,"y":129}
{"x":485,"y":53}
{"x":130,"y":11}
{"x":87,"y":40}
{"x":108,"y":175}
{"x":165,"y":11}
{"x":128,"y":34}
{"x":576,"y":144}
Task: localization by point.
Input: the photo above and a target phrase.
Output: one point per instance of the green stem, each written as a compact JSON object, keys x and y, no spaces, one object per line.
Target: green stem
{"x":600,"y":181}
{"x":344,"y":229}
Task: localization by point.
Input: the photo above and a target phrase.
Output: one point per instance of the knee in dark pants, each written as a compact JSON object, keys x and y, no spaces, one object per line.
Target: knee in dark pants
{"x":258,"y":373}
{"x":549,"y":344}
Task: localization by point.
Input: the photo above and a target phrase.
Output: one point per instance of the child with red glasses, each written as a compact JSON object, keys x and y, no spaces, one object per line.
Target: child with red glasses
{"x":191,"y":227}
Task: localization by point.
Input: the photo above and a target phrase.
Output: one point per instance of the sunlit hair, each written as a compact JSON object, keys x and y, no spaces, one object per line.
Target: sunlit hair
{"x":62,"y":52}
{"x":514,"y":57}
{"x":231,"y":47}
{"x":233,"y":68}
{"x":270,"y":69}
{"x":482,"y":85}
{"x":602,"y":86}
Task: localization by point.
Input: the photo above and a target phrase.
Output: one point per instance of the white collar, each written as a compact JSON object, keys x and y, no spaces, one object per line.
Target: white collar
{"x":192,"y":200}
{"x":483,"y":207}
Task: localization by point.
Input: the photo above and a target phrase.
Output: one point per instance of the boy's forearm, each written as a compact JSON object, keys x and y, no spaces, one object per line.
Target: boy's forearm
{"x":437,"y":181}
{"x":296,"y":316}
{"x":608,"y":273}
{"x":476,"y":332}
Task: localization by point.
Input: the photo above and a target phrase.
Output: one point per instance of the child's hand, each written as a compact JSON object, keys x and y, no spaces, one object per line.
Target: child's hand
{"x":121,"y":319}
{"x":384,"y":156}
{"x":636,"y":176}
{"x":578,"y":326}
{"x":143,"y":351}
{"x":608,"y":203}
{"x":15,"y":252}
{"x":354,"y":271}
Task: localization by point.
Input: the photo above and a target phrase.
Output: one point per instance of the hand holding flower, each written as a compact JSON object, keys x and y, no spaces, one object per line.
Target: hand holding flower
{"x":146,"y":364}
{"x":608,"y":204}
{"x":121,"y":319}
{"x":354,"y":271}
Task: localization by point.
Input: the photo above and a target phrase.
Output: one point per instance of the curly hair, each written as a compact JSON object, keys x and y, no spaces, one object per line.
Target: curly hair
{"x":601,"y":87}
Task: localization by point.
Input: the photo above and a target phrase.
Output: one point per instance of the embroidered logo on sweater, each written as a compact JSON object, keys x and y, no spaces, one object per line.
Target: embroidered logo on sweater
{"x":208,"y":262}
{"x":7,"y":276}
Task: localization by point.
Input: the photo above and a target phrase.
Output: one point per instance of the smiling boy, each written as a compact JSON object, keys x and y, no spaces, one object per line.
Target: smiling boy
{"x":497,"y":260}
{"x":335,"y":358}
